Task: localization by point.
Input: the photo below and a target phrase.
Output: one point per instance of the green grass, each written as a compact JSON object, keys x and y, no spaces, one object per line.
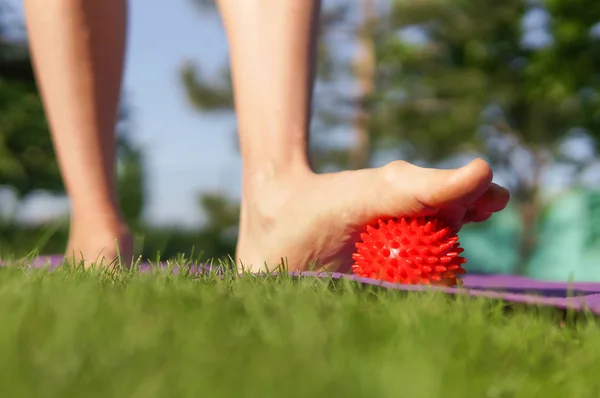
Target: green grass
{"x":82,"y":334}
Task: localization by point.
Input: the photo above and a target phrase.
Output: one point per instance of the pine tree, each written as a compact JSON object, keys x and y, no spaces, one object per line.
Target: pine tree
{"x":479,"y":79}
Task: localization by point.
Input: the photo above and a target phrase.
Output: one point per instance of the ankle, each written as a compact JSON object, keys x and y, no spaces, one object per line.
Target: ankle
{"x":104,"y":212}
{"x":99,"y":242}
{"x":105,"y":223}
{"x":265,"y":196}
{"x":271,"y":181}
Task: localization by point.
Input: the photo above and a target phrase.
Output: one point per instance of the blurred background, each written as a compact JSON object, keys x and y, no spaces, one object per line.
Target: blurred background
{"x":435,"y":82}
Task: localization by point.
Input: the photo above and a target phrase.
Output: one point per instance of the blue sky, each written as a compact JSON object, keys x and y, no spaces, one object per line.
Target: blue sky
{"x":187,"y":152}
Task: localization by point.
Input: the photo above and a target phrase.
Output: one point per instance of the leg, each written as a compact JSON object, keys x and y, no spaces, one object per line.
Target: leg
{"x":287,"y":210}
{"x":78,"y":50}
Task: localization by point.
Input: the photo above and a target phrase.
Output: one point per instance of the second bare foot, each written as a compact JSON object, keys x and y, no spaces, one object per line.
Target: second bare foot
{"x":99,"y":242}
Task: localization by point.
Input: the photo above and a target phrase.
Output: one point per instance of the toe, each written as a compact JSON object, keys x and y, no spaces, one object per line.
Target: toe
{"x":494,"y":199}
{"x":455,"y":187}
{"x":474,"y":216}
{"x":434,"y":188}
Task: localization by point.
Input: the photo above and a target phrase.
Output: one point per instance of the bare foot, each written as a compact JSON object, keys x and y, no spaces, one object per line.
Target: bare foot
{"x":101,"y":243}
{"x":315,"y":219}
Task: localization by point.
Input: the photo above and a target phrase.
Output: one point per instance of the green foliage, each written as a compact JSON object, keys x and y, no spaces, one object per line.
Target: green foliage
{"x":131,"y":181}
{"x":17,"y":241}
{"x":130,"y":184}
{"x":475,"y":71}
{"x":480,"y":79}
{"x":205,"y":244}
{"x":27,"y":160}
{"x":207,"y":94}
{"x":222,"y":212}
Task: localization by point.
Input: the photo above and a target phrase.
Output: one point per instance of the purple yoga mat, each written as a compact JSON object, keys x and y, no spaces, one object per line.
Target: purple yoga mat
{"x":510,"y":288}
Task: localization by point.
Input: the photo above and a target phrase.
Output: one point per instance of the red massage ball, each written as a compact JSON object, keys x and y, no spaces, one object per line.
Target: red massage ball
{"x":421,"y":250}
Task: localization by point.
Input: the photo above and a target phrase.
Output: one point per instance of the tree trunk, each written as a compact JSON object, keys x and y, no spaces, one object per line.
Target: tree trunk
{"x":530,"y":212}
{"x":364,"y":64}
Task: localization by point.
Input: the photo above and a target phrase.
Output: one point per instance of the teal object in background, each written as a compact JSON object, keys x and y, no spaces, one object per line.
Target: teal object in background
{"x":491,"y":247}
{"x":568,"y":246}
{"x":562,"y":239}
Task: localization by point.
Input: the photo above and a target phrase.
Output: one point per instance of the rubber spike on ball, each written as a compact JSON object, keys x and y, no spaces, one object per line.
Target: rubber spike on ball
{"x":419,"y":250}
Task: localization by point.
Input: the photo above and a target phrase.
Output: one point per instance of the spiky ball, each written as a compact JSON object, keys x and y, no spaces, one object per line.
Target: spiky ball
{"x":413,"y":251}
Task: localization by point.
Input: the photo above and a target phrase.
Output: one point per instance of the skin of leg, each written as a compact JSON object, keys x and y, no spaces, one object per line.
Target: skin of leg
{"x":290,"y":214}
{"x":78,"y":50}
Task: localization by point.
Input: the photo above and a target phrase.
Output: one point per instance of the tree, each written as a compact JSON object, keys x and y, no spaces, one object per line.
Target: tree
{"x":131,"y":183}
{"x":27,"y":159}
{"x":477,"y":80}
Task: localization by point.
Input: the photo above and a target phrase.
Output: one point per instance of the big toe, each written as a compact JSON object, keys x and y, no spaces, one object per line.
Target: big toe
{"x":417,"y":190}
{"x":458,"y":186}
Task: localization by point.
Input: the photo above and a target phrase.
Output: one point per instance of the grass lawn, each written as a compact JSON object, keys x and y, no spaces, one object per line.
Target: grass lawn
{"x":79,"y":334}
